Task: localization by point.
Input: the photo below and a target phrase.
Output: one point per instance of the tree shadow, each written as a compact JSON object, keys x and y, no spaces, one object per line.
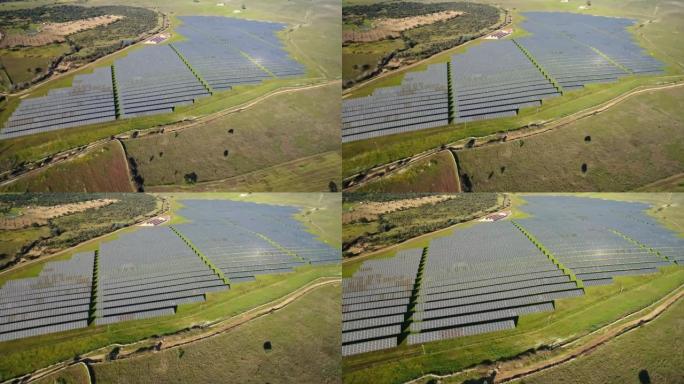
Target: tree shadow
{"x":644,"y":377}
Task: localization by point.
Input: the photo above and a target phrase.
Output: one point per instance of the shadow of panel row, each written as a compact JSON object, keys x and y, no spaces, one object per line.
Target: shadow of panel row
{"x":58,"y":299}
{"x":580,"y":234}
{"x":295,"y":244}
{"x":149,"y":273}
{"x":375,"y":302}
{"x":90,"y":100}
{"x":155,"y":80}
{"x":481,"y":279}
{"x":421,"y":101}
{"x":484,"y":87}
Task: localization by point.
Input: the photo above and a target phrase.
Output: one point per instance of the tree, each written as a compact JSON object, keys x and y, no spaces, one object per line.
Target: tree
{"x":332,"y":186}
{"x":190,"y":178}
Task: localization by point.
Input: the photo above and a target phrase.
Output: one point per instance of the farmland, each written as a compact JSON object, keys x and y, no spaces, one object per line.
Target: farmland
{"x":454,"y":300}
{"x":199,"y":269}
{"x":285,"y":52}
{"x":642,"y":45}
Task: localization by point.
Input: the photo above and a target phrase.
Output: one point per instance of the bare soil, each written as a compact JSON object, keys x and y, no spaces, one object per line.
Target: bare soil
{"x":386,"y":28}
{"x":372,"y":210}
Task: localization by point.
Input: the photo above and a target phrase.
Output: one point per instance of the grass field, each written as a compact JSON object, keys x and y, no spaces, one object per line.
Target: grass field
{"x":305,"y":338}
{"x":571,"y":318}
{"x":360,"y":58}
{"x":651,"y":351}
{"x":311,"y":28}
{"x":634,"y":143}
{"x":102,"y":170}
{"x":25,"y":64}
{"x":657,"y":17}
{"x":436,"y":173}
{"x":285,"y":128}
{"x":309,"y":174}
{"x":75,"y":374}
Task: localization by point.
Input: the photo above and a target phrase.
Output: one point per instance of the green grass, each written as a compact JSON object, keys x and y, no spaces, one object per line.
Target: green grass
{"x":75,"y":374}
{"x":26,"y":355}
{"x":309,"y":174}
{"x":307,"y":352}
{"x":653,"y":348}
{"x":281,"y":129}
{"x":436,"y":173}
{"x":12,"y":241}
{"x":570,"y":319}
{"x":621,"y":155}
{"x":358,"y":58}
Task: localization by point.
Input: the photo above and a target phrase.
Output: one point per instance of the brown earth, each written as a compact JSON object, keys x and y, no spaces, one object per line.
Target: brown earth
{"x":386,"y":28}
{"x":372,"y":210}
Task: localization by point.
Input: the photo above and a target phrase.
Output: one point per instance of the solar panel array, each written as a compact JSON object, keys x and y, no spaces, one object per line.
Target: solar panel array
{"x":154,"y":80}
{"x":56,"y":300}
{"x":608,"y":35}
{"x":149,"y":273}
{"x":218,"y":54}
{"x":89,"y":100}
{"x":481,"y":279}
{"x":498,"y":77}
{"x":247,"y":239}
{"x":484,"y":88}
{"x":375,"y":302}
{"x":235,"y":53}
{"x":421,"y":101}
{"x":580,"y":234}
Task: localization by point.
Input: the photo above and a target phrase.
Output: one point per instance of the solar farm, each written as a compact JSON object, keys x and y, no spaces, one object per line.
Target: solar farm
{"x":497,"y":78}
{"x":219,"y":54}
{"x":151,"y":271}
{"x":482,"y":278}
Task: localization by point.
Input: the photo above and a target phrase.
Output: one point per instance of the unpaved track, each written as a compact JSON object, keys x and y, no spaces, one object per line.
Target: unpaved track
{"x":493,"y":139}
{"x":179,"y":339}
{"x":63,"y":156}
{"x":594,"y":340}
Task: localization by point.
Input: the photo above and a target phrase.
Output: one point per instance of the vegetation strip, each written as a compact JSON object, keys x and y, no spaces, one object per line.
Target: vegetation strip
{"x":410,"y":309}
{"x":539,"y":66}
{"x":642,"y":245}
{"x":206,"y":260}
{"x":93,"y":289}
{"x":197,"y":75}
{"x":549,"y":254}
{"x":115,"y":91}
{"x":452,"y":104}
